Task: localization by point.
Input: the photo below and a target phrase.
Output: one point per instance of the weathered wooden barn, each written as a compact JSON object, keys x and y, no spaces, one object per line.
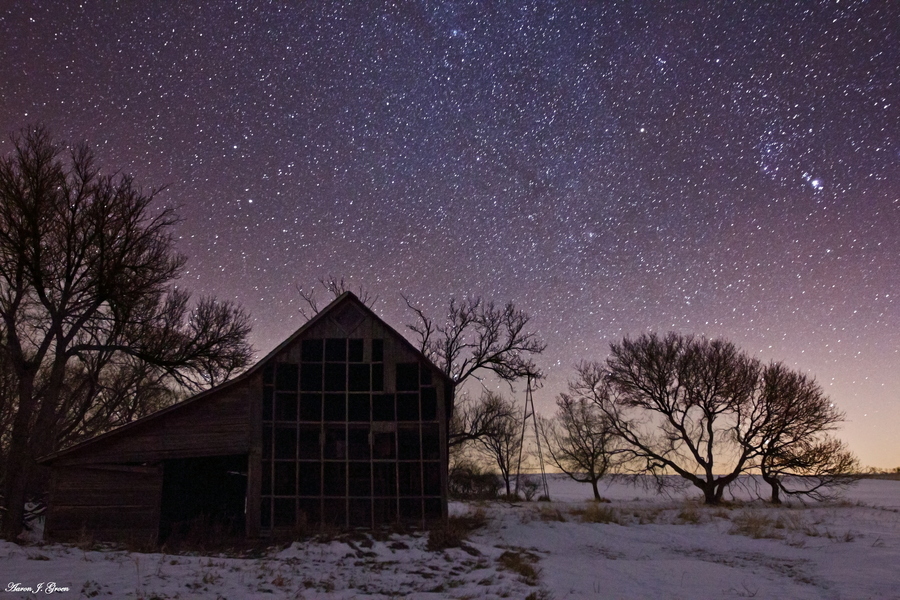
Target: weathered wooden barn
{"x":343,"y":424}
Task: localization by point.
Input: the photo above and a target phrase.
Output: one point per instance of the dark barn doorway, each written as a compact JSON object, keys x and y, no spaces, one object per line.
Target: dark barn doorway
{"x":203,"y":497}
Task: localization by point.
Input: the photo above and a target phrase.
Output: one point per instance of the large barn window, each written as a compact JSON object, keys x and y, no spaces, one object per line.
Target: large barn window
{"x":345,"y":445}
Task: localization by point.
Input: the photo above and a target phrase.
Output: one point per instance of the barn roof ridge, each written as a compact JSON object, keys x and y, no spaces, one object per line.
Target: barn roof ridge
{"x":345,"y":296}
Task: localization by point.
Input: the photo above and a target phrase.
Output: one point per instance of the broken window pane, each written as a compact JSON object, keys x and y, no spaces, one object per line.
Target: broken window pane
{"x":285,"y":512}
{"x":360,"y":514}
{"x":407,"y":407}
{"x":267,"y":442}
{"x":268,"y":403}
{"x":335,"y":442}
{"x":308,"y":443}
{"x":358,"y":379}
{"x":335,"y":377}
{"x":431,"y":442}
{"x":286,"y":377}
{"x":286,"y":406}
{"x":309,"y":481}
{"x":408,"y":443}
{"x":311,"y":351}
{"x":311,"y":377}
{"x":336,"y":350}
{"x":358,"y":407}
{"x":285,"y":483}
{"x":354,"y":350}
{"x":429,"y":404}
{"x":360,"y":479}
{"x":311,"y":407}
{"x":432,"y":478}
{"x":334,"y":512}
{"x":383,"y":445}
{"x":285,"y":442}
{"x":383,"y":407}
{"x":334,"y":479}
{"x":309,"y":511}
{"x":335,"y":407}
{"x":409,"y":476}
{"x":384,"y":479}
{"x":378,"y":378}
{"x":358,"y":442}
{"x":411,"y":509}
{"x":407,"y":377}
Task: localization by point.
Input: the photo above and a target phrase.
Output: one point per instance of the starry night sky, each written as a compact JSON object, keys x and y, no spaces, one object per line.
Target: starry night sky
{"x":727,"y":169}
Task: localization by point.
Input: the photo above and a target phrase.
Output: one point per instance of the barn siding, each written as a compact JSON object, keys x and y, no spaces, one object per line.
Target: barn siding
{"x":125,"y":503}
{"x":214,"y":426}
{"x":109,"y":502}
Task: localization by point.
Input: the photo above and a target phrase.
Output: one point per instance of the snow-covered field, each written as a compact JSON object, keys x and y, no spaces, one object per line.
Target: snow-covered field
{"x":639,"y":545}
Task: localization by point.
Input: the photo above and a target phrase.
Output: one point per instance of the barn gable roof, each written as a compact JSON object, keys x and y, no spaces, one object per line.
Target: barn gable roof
{"x":332,"y":310}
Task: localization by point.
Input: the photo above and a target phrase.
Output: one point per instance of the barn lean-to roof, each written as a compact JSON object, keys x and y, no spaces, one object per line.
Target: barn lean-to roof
{"x":249,"y":373}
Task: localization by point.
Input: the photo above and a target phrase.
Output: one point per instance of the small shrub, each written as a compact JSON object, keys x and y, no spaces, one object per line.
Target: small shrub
{"x":529,"y":489}
{"x":469,"y":481}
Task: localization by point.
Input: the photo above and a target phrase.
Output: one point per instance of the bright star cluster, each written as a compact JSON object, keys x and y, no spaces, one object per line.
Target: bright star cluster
{"x":727,"y":169}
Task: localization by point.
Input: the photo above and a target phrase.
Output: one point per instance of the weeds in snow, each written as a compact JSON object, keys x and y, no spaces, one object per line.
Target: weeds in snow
{"x":455,"y":531}
{"x":596,"y":513}
{"x":522,"y":563}
{"x":754,"y":524}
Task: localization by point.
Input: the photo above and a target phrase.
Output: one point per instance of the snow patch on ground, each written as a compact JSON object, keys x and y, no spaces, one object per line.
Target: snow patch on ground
{"x":639,"y":545}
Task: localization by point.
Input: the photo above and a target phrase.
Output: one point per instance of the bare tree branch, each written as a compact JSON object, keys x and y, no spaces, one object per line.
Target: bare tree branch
{"x":334,"y":287}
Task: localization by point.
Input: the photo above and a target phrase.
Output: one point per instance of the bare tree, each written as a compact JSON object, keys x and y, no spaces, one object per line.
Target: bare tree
{"x":333,"y":287}
{"x":795,"y":454}
{"x":680,"y":405}
{"x":477,"y":336}
{"x":474,"y":419}
{"x":581,"y":442}
{"x":708,"y":412}
{"x":502,"y":443}
{"x":86,"y":266}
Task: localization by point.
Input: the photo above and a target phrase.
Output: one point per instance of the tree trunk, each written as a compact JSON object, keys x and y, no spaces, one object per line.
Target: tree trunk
{"x":596,"y":491}
{"x":18,"y":462}
{"x":776,"y":489}
{"x":18,"y":471}
{"x":709,"y":494}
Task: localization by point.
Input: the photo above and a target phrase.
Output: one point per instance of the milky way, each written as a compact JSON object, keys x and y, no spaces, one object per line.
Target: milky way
{"x":726,"y":169}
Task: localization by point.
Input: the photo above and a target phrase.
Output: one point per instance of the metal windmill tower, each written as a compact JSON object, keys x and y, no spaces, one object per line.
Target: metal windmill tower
{"x":530,"y":414}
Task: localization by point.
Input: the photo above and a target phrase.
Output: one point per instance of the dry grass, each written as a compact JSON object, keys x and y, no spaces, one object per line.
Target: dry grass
{"x":689,"y":514}
{"x":756,"y":525}
{"x":455,"y":531}
{"x":595,"y":513}
{"x":523,"y":563}
{"x":548,"y":514}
